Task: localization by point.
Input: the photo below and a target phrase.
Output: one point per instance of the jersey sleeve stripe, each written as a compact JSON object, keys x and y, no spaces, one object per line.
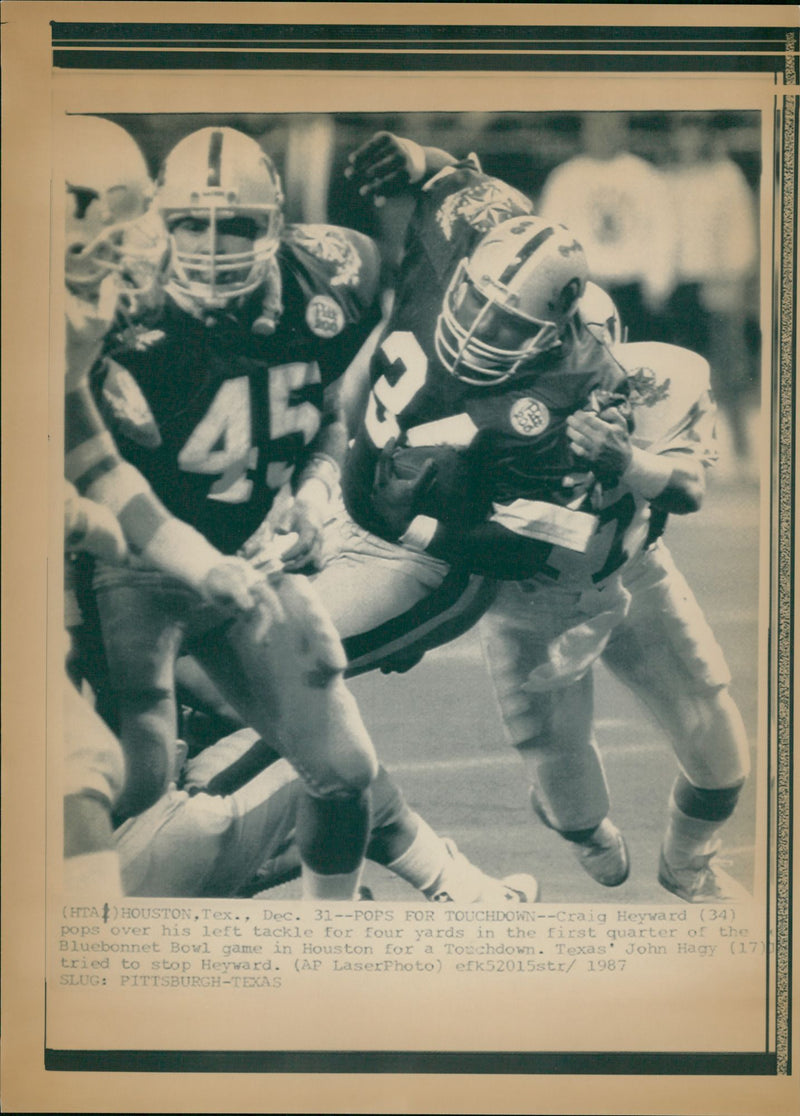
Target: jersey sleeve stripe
{"x":95,"y":453}
{"x":140,"y":518}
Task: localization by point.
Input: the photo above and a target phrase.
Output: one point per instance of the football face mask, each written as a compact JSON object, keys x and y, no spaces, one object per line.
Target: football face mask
{"x":221,"y":200}
{"x":510,"y":300}
{"x":107,"y":193}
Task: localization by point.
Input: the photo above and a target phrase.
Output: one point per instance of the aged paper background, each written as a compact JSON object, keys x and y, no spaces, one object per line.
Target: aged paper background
{"x":34,"y":96}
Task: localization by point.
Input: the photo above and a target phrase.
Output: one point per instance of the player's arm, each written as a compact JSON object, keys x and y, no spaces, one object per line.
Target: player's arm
{"x":674,"y":482}
{"x":487,"y":548}
{"x":388,"y":164}
{"x":105,"y":485}
{"x":405,"y":487}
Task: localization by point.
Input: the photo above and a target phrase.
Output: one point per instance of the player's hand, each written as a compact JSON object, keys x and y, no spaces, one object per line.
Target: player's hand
{"x":385,"y":165}
{"x":94,"y":528}
{"x":290,"y":538}
{"x":235,"y":586}
{"x":397,"y":499}
{"x":87,"y":323}
{"x":602,"y":442}
{"x":303,"y":519}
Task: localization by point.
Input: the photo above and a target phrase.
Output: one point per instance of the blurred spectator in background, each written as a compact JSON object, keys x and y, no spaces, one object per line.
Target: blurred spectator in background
{"x":618,"y":206}
{"x":716,"y":253}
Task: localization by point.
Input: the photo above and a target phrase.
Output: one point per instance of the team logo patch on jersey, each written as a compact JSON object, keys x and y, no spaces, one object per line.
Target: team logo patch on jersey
{"x":127,"y":407}
{"x":333,"y":247}
{"x":646,"y":391}
{"x":529,"y":417}
{"x":482,"y":206}
{"x":324,"y":316}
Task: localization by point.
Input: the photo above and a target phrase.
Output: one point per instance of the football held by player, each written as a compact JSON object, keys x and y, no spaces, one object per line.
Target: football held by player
{"x":217,"y":397}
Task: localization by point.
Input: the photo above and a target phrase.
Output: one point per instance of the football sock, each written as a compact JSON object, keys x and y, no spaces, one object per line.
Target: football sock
{"x":709,"y":805}
{"x":95,"y":873}
{"x":437,"y":869}
{"x":695,"y":833}
{"x":425,"y":858}
{"x":394,"y":824}
{"x":342,"y":885}
{"x":332,"y":832}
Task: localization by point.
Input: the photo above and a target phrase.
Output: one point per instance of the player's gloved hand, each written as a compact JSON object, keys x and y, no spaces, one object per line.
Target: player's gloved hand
{"x":94,"y":528}
{"x":397,"y":499}
{"x":604,"y":442}
{"x":385,"y":165}
{"x":87,"y":323}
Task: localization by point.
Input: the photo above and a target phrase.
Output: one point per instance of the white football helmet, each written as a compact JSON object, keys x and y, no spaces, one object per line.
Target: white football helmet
{"x":216,"y":174}
{"x":599,"y":314}
{"x":510,"y":300}
{"x":108,"y":190}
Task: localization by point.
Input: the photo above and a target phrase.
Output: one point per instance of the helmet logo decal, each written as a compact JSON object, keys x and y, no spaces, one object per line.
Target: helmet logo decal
{"x":525,"y":253}
{"x":568,"y":249}
{"x":482,"y":206}
{"x":215,"y":159}
{"x":645,"y":388}
{"x":529,"y":416}
{"x":324,"y":316}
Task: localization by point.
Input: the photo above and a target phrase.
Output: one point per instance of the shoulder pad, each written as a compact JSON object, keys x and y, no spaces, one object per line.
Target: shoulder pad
{"x":668,"y":386}
{"x":655,"y":369}
{"x":347,"y":257}
{"x":481,"y":202}
{"x":126,"y":407}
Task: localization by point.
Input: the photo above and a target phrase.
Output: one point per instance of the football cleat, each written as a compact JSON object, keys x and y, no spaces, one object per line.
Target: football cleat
{"x":463,"y":882}
{"x":604,"y":855}
{"x":700,"y":881}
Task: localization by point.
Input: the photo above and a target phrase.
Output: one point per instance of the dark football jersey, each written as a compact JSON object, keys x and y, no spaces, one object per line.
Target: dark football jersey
{"x":513,"y":434}
{"x":216,"y":416}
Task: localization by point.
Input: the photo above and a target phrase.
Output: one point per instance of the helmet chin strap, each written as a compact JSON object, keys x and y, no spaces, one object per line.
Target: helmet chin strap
{"x":272,"y":308}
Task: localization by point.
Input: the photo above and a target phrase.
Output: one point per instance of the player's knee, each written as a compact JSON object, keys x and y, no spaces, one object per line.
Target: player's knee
{"x":354,"y":773}
{"x":714,"y":749}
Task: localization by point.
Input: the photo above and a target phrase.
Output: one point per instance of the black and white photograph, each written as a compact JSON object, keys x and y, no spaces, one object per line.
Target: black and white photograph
{"x":318,"y":342}
{"x":417,"y":567}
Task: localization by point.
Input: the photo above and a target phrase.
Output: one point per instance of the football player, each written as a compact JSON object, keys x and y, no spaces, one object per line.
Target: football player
{"x":227,"y":827}
{"x":476,"y":371}
{"x":540,"y":643}
{"x":572,"y":529}
{"x":110,"y":510}
{"x":217,"y":396}
{"x":481,"y":361}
